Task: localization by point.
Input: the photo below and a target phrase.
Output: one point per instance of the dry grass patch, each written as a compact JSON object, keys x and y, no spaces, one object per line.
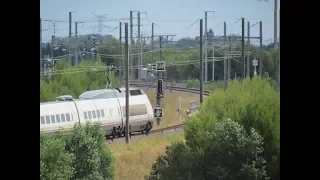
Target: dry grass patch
{"x":170,"y":104}
{"x":134,"y":161}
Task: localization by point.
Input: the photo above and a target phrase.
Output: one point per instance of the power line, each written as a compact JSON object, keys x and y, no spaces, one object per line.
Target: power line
{"x":157,"y":20}
{"x":217,"y":25}
{"x":234,"y":23}
{"x":88,"y":21}
{"x":170,"y":63}
{"x":188,"y":27}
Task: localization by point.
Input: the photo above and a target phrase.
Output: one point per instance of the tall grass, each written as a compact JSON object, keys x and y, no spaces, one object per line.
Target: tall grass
{"x":134,"y":161}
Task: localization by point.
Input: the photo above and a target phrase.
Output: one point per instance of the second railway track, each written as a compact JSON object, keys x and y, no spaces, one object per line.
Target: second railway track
{"x":173,"y":88}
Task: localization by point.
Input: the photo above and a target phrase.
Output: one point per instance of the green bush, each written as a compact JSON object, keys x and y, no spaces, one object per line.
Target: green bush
{"x":55,"y":161}
{"x":81,"y":154}
{"x":254,"y":103}
{"x":92,"y":159}
{"x":226,"y":151}
{"x":175,"y":164}
{"x":216,"y":149}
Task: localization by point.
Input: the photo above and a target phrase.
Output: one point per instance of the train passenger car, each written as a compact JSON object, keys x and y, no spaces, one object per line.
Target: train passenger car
{"x":55,"y":115}
{"x":106,"y":106}
{"x":141,"y":112}
{"x":140,"y":109}
{"x":105,"y":111}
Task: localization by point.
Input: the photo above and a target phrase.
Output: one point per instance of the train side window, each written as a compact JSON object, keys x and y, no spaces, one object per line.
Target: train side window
{"x":85,"y":115}
{"x":68,"y":117}
{"x":42,"y":120}
{"x":89,"y":113}
{"x":94,"y":114}
{"x":135,"y":92}
{"x":47,"y":119}
{"x":63,"y":118}
{"x":98,"y":113}
{"x":102,"y":113}
{"x":53,"y":120}
{"x":58,"y":118}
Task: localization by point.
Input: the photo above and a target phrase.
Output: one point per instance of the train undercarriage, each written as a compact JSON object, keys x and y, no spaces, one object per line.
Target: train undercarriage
{"x":119,"y":132}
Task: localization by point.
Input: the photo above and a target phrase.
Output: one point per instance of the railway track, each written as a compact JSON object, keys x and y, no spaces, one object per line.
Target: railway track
{"x":173,"y":88}
{"x":118,"y":139}
{"x":151,"y":133}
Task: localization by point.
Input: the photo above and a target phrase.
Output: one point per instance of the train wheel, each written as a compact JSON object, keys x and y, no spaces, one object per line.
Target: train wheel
{"x":148,"y":127}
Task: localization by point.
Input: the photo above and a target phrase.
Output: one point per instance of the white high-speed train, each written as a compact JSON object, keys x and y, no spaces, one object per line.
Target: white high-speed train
{"x":105,"y":105}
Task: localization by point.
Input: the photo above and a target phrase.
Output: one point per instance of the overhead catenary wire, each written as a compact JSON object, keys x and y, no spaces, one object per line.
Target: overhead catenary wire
{"x":217,"y":25}
{"x":102,"y":68}
{"x":107,"y":20}
{"x":234,"y":23}
{"x":118,"y":55}
{"x":187,"y":27}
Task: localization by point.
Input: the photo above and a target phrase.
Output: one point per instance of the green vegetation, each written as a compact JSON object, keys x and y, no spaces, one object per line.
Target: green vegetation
{"x":245,"y":147}
{"x":226,"y":152}
{"x":180,"y":57}
{"x":55,"y":161}
{"x":216,"y":145}
{"x":236,"y":135}
{"x":74,"y":80}
{"x":187,"y":49}
{"x":195,"y":83}
{"x":81,"y":154}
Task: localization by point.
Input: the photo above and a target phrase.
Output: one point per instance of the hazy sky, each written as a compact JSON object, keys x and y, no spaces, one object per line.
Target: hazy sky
{"x":170,"y":16}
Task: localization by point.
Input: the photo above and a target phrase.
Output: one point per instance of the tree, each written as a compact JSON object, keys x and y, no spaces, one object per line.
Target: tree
{"x":92,"y":158}
{"x":187,"y":42}
{"x":175,"y":164}
{"x":80,"y":154}
{"x":253,"y":103}
{"x":183,"y":50}
{"x":74,"y":84}
{"x":109,"y":49}
{"x":210,"y":37}
{"x":55,"y":161}
{"x":227,"y":151}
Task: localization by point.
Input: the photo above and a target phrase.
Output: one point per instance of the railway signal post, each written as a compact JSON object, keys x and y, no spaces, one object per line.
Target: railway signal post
{"x":160,"y":68}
